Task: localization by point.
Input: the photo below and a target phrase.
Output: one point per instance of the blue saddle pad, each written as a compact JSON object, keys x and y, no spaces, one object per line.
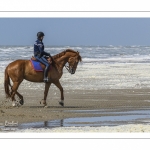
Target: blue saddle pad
{"x":36,"y":65}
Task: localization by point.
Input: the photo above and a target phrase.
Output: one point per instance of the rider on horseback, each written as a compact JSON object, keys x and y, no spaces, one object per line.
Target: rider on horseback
{"x":40,"y":54}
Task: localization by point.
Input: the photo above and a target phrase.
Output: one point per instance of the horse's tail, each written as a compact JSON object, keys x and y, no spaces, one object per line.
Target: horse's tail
{"x":7,"y":84}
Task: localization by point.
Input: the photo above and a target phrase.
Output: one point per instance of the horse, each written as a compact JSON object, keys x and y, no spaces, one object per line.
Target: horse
{"x":19,"y":70}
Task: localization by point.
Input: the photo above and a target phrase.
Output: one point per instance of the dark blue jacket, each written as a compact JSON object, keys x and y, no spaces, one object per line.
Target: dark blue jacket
{"x":39,"y":49}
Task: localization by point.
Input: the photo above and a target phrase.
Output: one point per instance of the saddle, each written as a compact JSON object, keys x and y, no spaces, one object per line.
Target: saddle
{"x":37,"y":66}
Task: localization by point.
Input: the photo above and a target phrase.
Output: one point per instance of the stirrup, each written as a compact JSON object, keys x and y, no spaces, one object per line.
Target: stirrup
{"x":46,"y":79}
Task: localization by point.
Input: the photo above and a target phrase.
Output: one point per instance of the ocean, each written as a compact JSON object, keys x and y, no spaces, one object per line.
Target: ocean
{"x":103,"y":67}
{"x":90,"y":54}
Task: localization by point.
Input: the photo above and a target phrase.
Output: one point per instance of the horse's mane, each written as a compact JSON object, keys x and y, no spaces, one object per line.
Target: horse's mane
{"x":59,"y":55}
{"x":64,"y":52}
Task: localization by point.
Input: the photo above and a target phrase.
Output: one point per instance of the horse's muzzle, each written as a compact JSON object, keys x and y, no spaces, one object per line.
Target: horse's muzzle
{"x":72,"y":71}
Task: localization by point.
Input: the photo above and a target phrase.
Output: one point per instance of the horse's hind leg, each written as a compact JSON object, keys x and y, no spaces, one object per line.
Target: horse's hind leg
{"x":21,"y":101}
{"x":14,"y":91}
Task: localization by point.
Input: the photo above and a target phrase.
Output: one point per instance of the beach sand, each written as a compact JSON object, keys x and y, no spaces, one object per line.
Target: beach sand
{"x":107,"y":100}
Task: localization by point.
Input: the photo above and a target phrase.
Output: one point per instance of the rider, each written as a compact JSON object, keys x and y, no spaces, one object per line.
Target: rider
{"x":40,"y":54}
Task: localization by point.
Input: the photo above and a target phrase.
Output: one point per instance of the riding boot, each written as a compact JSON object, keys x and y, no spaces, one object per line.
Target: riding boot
{"x":46,"y":79}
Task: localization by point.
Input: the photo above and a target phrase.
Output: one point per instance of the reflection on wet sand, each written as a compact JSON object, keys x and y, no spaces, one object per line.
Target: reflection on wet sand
{"x":116,"y":118}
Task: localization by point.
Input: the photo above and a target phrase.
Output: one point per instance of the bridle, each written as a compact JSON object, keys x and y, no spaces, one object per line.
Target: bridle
{"x":70,"y":68}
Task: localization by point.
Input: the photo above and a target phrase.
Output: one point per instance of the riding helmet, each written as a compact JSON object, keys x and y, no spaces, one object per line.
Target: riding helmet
{"x":40,"y":34}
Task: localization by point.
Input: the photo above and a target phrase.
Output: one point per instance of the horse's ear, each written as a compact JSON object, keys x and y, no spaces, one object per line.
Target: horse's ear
{"x":77,"y":52}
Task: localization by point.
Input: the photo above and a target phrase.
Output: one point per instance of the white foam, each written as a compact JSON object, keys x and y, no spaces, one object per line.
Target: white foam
{"x":121,"y":59}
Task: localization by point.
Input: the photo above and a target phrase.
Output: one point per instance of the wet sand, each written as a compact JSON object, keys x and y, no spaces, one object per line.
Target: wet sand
{"x":106,"y":100}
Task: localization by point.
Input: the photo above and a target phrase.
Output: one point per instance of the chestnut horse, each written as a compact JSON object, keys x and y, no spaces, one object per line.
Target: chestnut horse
{"x":19,"y":70}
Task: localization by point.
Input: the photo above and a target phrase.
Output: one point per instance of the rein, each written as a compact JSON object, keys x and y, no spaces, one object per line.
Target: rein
{"x":67,"y":67}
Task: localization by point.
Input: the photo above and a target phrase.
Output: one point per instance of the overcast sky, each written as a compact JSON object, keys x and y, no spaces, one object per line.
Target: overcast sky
{"x":76,"y":31}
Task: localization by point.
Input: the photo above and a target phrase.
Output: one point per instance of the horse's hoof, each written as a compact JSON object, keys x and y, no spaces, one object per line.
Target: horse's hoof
{"x":61,"y":103}
{"x":45,"y":106}
{"x":13,"y":104}
{"x":21,"y":102}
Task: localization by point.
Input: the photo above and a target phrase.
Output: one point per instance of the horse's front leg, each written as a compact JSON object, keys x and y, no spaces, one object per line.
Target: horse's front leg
{"x":47,"y":85}
{"x":57,"y":83}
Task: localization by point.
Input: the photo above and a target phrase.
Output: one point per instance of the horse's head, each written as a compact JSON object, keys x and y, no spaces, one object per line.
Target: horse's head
{"x":73,"y":62}
{"x":68,"y":56}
